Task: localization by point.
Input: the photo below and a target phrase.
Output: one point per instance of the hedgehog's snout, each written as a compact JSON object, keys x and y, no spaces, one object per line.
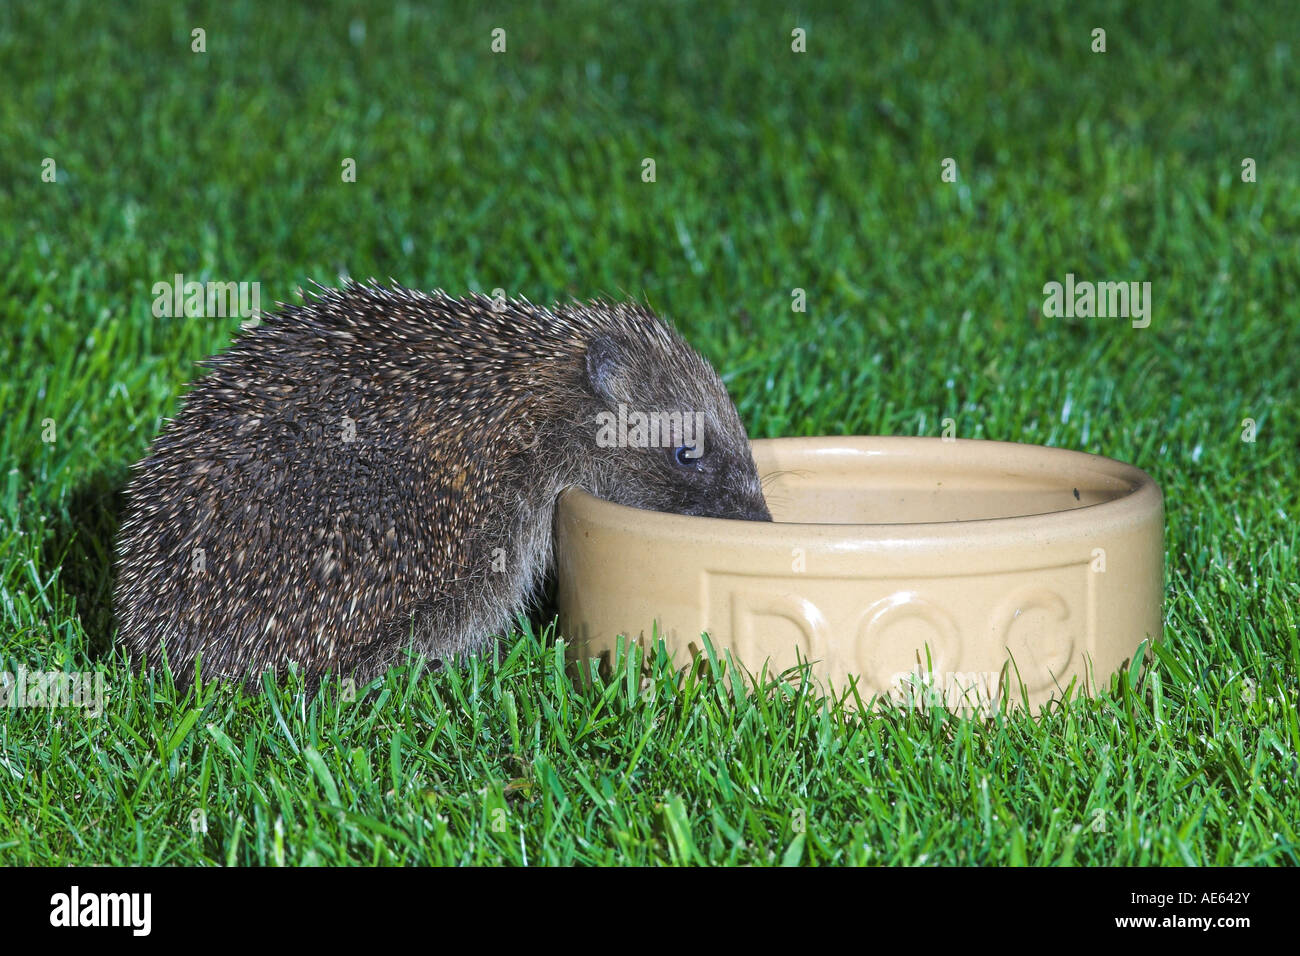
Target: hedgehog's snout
{"x":741,"y":496}
{"x":721,"y":483}
{"x":756,"y":510}
{"x":747,"y":512}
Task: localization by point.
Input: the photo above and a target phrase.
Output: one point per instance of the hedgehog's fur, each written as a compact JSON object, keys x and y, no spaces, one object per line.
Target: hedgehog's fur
{"x":255,"y":535}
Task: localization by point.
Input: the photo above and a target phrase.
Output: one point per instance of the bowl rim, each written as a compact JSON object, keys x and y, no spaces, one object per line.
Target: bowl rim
{"x":1142,"y":500}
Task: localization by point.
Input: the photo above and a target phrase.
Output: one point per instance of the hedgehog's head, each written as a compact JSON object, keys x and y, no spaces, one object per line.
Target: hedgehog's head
{"x":666,"y":435}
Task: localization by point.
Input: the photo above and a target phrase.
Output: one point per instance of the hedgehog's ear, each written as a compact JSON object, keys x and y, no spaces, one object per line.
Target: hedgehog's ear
{"x":604,"y":372}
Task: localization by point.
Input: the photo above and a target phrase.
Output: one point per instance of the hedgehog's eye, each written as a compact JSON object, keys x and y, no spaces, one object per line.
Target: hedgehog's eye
{"x":686,"y":456}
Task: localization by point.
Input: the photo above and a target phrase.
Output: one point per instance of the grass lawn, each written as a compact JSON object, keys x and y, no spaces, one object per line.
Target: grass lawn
{"x":775,"y":171}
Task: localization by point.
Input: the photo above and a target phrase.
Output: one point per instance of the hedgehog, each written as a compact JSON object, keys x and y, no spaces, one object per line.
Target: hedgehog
{"x":375,"y":471}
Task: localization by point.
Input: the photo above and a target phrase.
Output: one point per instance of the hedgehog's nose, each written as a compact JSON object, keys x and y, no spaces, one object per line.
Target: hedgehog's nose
{"x":753,"y":510}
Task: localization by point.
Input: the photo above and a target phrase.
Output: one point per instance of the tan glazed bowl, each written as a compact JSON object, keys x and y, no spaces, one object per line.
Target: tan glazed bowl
{"x":926,"y":570}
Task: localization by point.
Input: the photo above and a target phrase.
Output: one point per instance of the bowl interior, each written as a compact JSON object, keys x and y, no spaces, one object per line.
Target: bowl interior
{"x":926,"y":483}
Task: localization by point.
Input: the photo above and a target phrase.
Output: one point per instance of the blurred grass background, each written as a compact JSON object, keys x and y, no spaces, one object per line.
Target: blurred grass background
{"x":775,"y":171}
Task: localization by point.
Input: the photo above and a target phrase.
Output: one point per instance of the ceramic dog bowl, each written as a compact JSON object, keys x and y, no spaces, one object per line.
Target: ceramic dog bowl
{"x":925,"y":570}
